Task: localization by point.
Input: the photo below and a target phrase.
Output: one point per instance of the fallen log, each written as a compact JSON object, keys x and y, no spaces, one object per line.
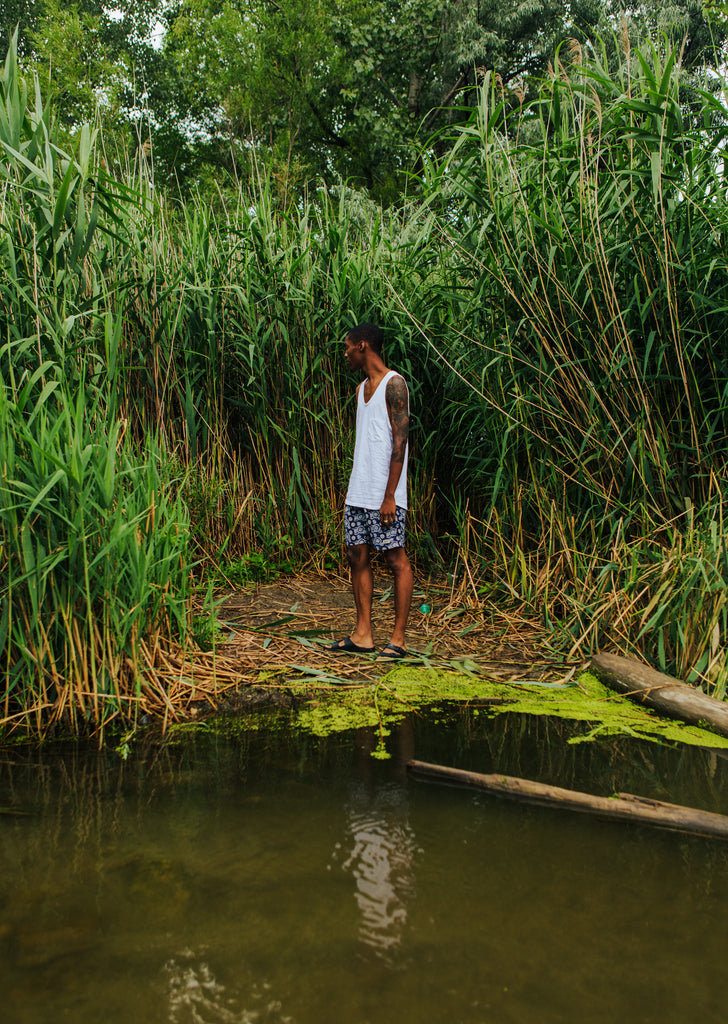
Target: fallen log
{"x":623,"y":807}
{"x":655,"y":689}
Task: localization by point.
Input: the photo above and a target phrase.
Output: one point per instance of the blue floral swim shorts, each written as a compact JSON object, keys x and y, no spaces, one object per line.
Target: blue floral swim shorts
{"x":362,"y":526}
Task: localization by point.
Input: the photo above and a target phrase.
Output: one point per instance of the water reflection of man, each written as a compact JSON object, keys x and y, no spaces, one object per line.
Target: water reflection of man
{"x":381,"y":843}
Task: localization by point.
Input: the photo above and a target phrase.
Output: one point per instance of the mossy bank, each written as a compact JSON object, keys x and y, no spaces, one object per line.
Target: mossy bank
{"x":323,"y":710}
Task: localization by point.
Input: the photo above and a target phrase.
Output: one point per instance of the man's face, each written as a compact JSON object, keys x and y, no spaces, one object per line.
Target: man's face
{"x":353,"y":354}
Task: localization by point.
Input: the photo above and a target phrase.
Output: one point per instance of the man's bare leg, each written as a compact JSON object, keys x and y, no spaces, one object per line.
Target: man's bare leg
{"x":399,"y":566}
{"x":362,"y":583}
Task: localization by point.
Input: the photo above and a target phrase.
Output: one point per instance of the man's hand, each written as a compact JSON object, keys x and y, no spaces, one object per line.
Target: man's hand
{"x":387,"y":512}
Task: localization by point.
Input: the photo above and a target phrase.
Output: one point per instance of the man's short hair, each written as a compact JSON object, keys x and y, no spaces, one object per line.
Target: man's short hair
{"x":369,"y":333}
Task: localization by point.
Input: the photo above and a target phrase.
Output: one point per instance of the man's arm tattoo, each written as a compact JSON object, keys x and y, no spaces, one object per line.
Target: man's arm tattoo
{"x":397,"y":403}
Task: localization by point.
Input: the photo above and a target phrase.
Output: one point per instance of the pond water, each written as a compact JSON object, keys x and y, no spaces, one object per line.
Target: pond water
{"x":269,"y":876}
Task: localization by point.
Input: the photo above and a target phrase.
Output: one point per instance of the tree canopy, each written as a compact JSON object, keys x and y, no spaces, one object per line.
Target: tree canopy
{"x":350,"y":88}
{"x":308,"y":89}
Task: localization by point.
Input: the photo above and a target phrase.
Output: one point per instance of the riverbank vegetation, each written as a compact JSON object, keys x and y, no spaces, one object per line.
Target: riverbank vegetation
{"x":173,"y":396}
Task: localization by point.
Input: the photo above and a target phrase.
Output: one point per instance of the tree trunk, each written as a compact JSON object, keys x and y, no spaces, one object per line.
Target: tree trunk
{"x":665,"y":694}
{"x":413,"y":96}
{"x":623,"y":807}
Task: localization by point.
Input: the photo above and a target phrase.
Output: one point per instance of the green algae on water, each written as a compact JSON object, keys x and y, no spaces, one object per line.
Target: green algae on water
{"x":325,"y":710}
{"x":407,"y":689}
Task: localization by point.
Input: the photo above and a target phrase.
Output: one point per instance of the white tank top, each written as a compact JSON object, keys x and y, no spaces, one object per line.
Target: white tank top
{"x":373,"y":452}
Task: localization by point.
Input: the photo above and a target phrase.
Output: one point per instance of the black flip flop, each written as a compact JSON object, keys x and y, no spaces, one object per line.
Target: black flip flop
{"x":347,"y":646}
{"x":391,"y":652}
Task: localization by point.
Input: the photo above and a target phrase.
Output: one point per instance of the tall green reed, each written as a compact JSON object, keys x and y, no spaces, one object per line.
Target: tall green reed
{"x":94,"y":557}
{"x":235,"y":348}
{"x":93,"y":537}
{"x":588,"y":375}
{"x":595,"y":239}
{"x":557,"y":305}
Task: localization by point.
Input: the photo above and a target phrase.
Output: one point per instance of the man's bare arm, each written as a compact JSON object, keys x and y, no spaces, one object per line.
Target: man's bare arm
{"x":398,"y":409}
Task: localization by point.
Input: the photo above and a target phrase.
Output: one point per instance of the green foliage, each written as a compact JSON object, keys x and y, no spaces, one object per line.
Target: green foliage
{"x":593,"y":396}
{"x":74,"y":61}
{"x":93,"y":539}
{"x":309,"y":90}
{"x":262,"y":566}
{"x":557,"y":303}
{"x":597,"y":240}
{"x":93,"y":548}
{"x":716,"y":10}
{"x":96,"y":63}
{"x":356,"y":89}
{"x":349,"y":90}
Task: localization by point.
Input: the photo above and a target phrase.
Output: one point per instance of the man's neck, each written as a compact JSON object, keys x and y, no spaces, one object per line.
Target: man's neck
{"x":374,"y":368}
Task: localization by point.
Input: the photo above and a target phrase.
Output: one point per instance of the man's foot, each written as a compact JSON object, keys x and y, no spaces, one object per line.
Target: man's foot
{"x":391,"y":653}
{"x":347,"y":646}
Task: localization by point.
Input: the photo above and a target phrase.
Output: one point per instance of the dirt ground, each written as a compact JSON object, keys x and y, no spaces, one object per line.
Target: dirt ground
{"x":278,"y":631}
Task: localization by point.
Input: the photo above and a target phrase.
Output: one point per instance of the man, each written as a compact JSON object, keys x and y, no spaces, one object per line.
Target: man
{"x":376,"y":501}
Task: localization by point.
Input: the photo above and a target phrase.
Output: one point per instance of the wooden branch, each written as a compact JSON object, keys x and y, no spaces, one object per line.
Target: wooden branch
{"x":333,"y":137}
{"x":624,"y":807}
{"x":446,"y":100}
{"x":665,"y":694}
{"x":392,"y":95}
